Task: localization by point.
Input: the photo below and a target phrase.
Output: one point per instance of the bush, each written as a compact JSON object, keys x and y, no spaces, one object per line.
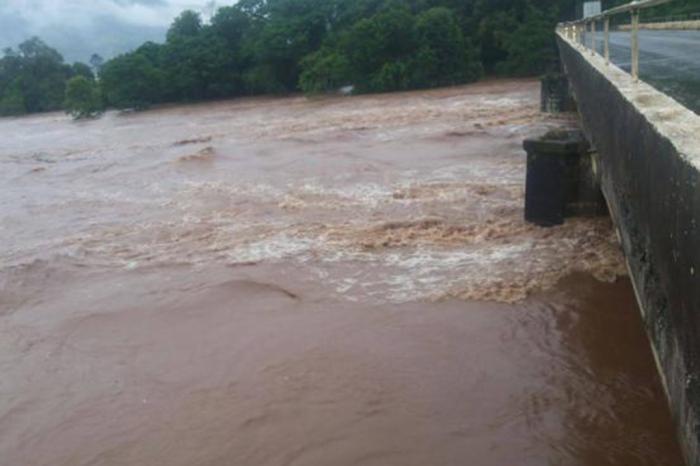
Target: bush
{"x":531,"y":46}
{"x":12,"y":102}
{"x":393,"y":76}
{"x":324,"y":71}
{"x":445,"y":57}
{"x":131,"y":81}
{"x":82,"y":98}
{"x":379,"y":48}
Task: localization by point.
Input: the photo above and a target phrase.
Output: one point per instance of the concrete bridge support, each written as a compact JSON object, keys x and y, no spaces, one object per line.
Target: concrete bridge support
{"x":649,"y":159}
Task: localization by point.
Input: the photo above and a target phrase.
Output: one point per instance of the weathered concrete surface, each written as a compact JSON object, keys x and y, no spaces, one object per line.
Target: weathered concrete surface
{"x":560,"y":179}
{"x":555,"y":96}
{"x":649,"y":159}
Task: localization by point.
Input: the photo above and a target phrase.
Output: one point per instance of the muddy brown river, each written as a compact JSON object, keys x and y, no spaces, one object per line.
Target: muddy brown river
{"x":342,"y":281}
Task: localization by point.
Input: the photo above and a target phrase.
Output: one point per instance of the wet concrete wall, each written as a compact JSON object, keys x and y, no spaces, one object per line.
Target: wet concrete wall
{"x":648,"y":161}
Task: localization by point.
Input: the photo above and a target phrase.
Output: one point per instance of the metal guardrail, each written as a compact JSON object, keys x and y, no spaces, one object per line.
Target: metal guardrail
{"x":576,"y":30}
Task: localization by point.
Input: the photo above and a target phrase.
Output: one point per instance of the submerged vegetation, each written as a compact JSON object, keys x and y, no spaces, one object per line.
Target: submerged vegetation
{"x":279,"y":46}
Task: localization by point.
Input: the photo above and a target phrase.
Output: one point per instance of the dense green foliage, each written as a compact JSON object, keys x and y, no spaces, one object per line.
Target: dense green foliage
{"x":132,"y":81}
{"x":33,"y":78}
{"x":83,"y":98}
{"x":276,"y":46}
{"x":279,"y":46}
{"x":394,"y":50}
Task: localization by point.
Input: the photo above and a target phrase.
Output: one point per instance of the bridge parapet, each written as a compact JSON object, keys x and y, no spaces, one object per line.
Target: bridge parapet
{"x":575,"y":30}
{"x":648,"y":154}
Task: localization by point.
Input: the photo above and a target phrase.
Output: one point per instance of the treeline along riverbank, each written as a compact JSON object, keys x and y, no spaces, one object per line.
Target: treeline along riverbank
{"x":280,"y":46}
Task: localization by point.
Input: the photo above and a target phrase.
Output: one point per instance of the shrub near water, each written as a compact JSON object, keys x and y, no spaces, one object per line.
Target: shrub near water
{"x":131,"y":81}
{"x":395,"y":50}
{"x":82,"y":98}
{"x":33,"y":78}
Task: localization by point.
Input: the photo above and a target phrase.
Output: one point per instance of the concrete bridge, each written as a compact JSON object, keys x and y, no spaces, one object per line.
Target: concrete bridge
{"x":647,"y":154}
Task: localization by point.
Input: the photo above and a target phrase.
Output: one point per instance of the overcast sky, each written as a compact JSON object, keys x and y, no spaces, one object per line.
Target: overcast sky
{"x":81,"y":27}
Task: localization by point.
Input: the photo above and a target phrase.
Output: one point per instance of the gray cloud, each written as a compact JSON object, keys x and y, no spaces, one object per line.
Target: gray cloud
{"x":78,"y":28}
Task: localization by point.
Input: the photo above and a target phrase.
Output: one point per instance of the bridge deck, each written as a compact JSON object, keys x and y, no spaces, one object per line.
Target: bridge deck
{"x":669,"y":61}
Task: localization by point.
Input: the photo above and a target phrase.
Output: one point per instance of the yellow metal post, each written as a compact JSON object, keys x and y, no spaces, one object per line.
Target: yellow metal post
{"x":635,"y":45}
{"x":607,"y":40}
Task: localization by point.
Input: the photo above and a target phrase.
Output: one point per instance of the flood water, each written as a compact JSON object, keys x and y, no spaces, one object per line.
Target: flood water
{"x":342,"y":281}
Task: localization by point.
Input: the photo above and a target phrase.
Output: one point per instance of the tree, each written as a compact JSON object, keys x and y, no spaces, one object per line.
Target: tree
{"x":284,"y":32}
{"x":379,"y":47}
{"x":33,"y":78}
{"x":96,"y":62}
{"x":131,"y":81}
{"x":531,"y":46}
{"x":444,"y":57}
{"x":188,"y":24}
{"x":35,"y":48}
{"x":492,"y":33}
{"x":199,"y":67}
{"x":270,"y":46}
{"x":393,"y":76}
{"x":324,"y":71}
{"x":12,"y":101}
{"x":81,"y":69}
{"x":82,"y":98}
{"x":10,"y":69}
{"x":231,"y":24}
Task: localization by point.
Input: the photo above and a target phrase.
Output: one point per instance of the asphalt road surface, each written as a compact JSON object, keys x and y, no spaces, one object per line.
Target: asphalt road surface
{"x":669,"y":60}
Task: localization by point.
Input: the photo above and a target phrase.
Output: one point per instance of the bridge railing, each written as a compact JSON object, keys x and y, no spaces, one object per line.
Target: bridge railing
{"x":578,"y":30}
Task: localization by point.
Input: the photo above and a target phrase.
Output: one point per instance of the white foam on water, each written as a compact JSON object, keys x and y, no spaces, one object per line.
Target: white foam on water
{"x":272,"y":249}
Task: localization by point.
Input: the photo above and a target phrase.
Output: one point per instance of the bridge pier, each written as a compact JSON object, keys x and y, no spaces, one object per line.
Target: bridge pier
{"x":555,"y":94}
{"x":561,"y":179}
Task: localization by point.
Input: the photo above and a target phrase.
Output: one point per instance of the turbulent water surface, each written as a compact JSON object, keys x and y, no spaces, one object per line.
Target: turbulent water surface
{"x":328,"y":282}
